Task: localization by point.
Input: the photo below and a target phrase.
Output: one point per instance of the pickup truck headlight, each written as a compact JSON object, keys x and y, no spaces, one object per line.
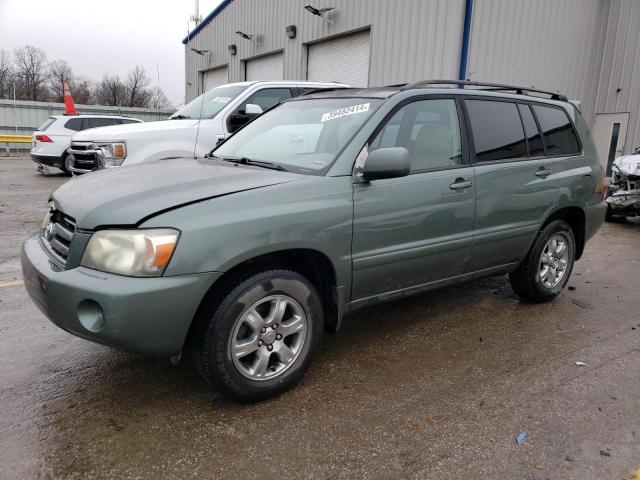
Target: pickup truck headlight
{"x":134,"y":253}
{"x":113,"y":153}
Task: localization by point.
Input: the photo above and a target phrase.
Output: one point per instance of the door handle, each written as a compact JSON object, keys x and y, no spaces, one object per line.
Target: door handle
{"x":460,"y":183}
{"x":543,"y":172}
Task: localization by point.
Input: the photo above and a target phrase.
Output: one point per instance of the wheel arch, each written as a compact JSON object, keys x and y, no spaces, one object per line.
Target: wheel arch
{"x":576,"y":219}
{"x":310,"y":263}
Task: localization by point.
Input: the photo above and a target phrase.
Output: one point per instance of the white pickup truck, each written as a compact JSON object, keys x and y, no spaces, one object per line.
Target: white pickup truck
{"x":193,"y":131}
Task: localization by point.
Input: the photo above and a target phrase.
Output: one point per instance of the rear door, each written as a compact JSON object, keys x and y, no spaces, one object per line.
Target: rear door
{"x":417,"y":229}
{"x":515,"y":182}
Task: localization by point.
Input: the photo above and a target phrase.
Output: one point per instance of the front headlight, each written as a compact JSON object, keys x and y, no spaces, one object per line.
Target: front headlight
{"x":134,"y":253}
{"x":113,"y":153}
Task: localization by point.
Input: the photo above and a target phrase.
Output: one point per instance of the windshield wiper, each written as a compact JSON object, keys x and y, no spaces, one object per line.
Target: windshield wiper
{"x":179,"y":117}
{"x":257,"y":163}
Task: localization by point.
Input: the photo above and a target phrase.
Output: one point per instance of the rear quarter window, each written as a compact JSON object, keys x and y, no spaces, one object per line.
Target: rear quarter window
{"x":46,"y":124}
{"x":558,"y":133}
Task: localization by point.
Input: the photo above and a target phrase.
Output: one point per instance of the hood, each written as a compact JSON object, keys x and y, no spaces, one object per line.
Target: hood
{"x":628,"y":165}
{"x":125,"y":196}
{"x":123,"y":132}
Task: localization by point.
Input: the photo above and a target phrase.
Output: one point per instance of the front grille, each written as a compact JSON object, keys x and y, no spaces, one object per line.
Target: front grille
{"x":84,"y":162}
{"x":57,"y":235}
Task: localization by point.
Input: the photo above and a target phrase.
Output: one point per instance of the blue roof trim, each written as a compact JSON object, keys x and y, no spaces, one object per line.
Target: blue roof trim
{"x":206,"y":21}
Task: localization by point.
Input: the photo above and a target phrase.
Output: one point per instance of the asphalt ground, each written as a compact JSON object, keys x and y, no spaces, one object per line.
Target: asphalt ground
{"x":435,"y":386}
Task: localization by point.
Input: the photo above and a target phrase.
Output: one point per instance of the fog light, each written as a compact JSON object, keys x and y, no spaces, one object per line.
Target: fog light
{"x":90,"y":315}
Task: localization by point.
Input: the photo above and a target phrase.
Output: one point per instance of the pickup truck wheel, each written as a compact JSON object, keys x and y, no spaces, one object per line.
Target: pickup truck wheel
{"x":66,"y":163}
{"x":259,"y":340}
{"x":547,"y":267}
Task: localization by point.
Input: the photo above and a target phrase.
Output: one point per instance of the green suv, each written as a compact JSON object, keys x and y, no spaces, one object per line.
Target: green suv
{"x":324,"y":204}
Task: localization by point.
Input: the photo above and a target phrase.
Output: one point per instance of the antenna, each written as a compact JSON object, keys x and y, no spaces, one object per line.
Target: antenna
{"x":196,"y":17}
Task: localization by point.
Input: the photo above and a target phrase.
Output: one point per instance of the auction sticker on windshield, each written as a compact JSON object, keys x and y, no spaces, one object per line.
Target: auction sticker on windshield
{"x":343,"y":112}
{"x":221,"y":99}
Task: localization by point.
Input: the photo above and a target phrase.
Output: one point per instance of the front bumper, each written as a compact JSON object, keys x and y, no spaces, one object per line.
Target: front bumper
{"x":143,"y":315}
{"x":49,"y":161}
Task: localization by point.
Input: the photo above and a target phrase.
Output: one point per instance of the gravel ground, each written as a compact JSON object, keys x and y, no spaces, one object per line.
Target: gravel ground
{"x":434,"y":386}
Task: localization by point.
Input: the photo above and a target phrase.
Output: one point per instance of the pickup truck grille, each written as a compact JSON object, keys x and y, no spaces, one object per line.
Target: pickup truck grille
{"x":85,"y":158}
{"x":57,"y":235}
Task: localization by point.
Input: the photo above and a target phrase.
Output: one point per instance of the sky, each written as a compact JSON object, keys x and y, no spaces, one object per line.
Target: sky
{"x":106,"y":36}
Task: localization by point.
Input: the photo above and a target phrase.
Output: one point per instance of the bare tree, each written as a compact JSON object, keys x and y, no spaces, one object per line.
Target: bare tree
{"x":31,"y":72}
{"x":111,"y":91}
{"x":59,"y":71}
{"x":159,"y":100}
{"x":138,"y":94}
{"x":82,"y":91}
{"x":6,"y":74}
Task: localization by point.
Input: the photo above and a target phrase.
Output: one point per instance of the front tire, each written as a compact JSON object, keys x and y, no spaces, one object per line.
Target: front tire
{"x":259,"y":340}
{"x":547,"y":267}
{"x":66,"y":163}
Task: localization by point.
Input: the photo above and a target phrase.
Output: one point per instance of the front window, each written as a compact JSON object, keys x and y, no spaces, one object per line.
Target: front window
{"x":209,"y":104}
{"x":301,"y":135}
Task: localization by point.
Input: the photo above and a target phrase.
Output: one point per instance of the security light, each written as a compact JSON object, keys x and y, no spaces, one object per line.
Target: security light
{"x":200,"y":52}
{"x":318,"y":11}
{"x":291,"y":31}
{"x":244,"y":35}
{"x":233,"y":49}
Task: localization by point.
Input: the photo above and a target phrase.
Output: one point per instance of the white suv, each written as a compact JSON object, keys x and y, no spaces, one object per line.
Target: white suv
{"x":193,"y":131}
{"x":51,"y":140}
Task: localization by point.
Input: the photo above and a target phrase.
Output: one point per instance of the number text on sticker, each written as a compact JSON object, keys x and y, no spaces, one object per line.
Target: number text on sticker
{"x":342,"y":112}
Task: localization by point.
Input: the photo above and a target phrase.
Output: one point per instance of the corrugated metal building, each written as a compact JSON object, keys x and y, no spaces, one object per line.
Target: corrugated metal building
{"x":586,"y":49}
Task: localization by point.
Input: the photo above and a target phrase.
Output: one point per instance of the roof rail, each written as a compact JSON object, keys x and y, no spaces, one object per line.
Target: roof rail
{"x":324,"y":89}
{"x":498,"y":87}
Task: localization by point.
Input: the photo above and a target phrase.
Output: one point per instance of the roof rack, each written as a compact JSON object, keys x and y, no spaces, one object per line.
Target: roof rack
{"x":497,"y":87}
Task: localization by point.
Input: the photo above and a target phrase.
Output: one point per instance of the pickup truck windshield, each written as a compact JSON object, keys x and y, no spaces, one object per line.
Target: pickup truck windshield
{"x":209,"y":104}
{"x":301,"y":135}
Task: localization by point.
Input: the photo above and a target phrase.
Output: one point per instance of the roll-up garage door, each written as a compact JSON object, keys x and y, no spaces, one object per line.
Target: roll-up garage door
{"x":269,"y":67}
{"x":214,"y":77}
{"x":344,"y":59}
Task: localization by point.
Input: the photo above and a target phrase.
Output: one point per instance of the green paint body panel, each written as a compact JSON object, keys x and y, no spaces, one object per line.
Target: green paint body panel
{"x":384,"y":239}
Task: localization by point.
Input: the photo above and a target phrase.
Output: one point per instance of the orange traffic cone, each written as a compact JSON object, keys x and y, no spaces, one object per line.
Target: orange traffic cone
{"x":69,"y":105}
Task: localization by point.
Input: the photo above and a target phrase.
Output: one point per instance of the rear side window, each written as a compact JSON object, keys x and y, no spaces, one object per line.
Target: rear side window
{"x":103,"y":122}
{"x":74,"y":124}
{"x":497,"y":130}
{"x":534,"y":140}
{"x":559,"y":136}
{"x":46,"y":124}
{"x":125,"y":121}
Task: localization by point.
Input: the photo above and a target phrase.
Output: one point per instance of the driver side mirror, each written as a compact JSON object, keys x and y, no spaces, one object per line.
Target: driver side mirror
{"x":238,"y":119}
{"x":390,"y":162}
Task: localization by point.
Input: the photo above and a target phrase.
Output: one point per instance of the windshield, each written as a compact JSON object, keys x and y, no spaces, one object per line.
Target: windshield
{"x":303,"y":135}
{"x":209,"y":104}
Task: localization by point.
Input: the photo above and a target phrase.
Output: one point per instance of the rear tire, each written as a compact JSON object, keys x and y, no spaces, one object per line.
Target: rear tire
{"x":547,"y":267}
{"x":258,"y":341}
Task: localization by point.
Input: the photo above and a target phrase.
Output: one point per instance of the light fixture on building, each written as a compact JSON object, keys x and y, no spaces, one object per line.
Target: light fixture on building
{"x":233,"y":49}
{"x":200,"y":52}
{"x":291,"y":31}
{"x":318,"y":11}
{"x":244,"y":35}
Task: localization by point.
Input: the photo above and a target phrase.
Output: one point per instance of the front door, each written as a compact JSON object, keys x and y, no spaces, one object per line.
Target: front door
{"x":417,"y":229}
{"x":610,"y":134}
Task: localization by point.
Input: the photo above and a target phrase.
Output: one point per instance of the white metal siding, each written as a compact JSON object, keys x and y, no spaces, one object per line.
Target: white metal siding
{"x":214,"y":77}
{"x":269,"y":67}
{"x":619,"y":77}
{"x":344,"y":59}
{"x":548,"y":44}
{"x":410,"y":39}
